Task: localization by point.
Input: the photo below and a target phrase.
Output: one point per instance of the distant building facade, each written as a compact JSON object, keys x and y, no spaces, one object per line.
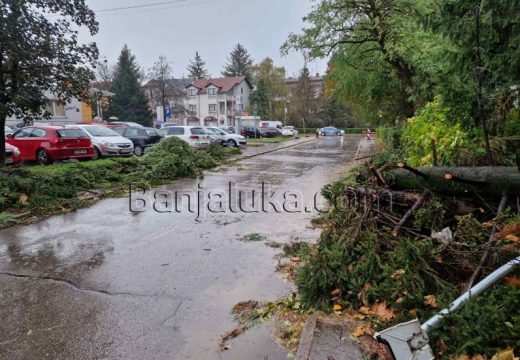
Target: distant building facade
{"x":317,"y":84}
{"x":216,"y":101}
{"x":175,"y":95}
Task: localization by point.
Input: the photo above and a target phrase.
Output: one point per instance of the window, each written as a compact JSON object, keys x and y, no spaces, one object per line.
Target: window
{"x":212,"y":107}
{"x":151,"y":132}
{"x":175,"y":131}
{"x":193,"y":108}
{"x":71,"y":133}
{"x":212,"y":91}
{"x":241,"y":90}
{"x":119,"y":130}
{"x":132,"y":132}
{"x":59,"y":108}
{"x":198,"y":131}
{"x":24,"y":133}
{"x":192,"y":92}
{"x":55,"y":108}
{"x":38,"y":133}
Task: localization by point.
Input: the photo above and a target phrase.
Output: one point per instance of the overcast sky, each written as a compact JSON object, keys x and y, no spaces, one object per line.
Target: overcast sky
{"x":211,"y":27}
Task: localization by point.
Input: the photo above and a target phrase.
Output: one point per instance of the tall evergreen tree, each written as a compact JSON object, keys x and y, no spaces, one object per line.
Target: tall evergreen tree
{"x":262,"y":99}
{"x":196,"y":68}
{"x":239,"y":62}
{"x":129,"y":102}
{"x":304,"y":96}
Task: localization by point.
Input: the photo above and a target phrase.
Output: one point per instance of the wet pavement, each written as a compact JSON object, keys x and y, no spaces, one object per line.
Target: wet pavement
{"x":108,"y":283}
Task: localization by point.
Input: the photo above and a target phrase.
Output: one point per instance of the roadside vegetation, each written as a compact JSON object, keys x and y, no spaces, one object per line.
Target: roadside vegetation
{"x":440,"y":80}
{"x":32,"y":192}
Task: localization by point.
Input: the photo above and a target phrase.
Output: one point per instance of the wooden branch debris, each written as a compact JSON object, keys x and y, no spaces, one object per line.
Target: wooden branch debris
{"x":489,"y":246}
{"x":409,"y":213}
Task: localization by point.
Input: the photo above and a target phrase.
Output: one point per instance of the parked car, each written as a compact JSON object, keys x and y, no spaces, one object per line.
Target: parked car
{"x":46,"y":144}
{"x":8,"y":130}
{"x":215,"y":137}
{"x":250,"y":132}
{"x":193,"y":135}
{"x":229,"y":129}
{"x":289,"y":131}
{"x":330,"y":131}
{"x":141,"y":138}
{"x":107,"y":142}
{"x":125,"y":124}
{"x":270,"y":132}
{"x":227,"y":138}
{"x":13,"y":156}
{"x":165,"y":125}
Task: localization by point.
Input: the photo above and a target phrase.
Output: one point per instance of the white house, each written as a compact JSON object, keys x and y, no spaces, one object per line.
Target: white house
{"x":216,"y":101}
{"x":75,"y":111}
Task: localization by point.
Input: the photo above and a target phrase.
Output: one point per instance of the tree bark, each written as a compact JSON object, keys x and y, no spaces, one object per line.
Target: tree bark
{"x":491,"y":180}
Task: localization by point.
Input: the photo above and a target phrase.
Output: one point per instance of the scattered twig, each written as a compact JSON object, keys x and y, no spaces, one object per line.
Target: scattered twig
{"x":404,"y":166}
{"x":490,"y":244}
{"x":409,"y":213}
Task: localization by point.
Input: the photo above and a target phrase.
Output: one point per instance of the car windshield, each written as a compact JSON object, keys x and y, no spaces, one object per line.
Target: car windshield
{"x":218,"y":131}
{"x":288,"y":128}
{"x":98,"y":131}
{"x":151,"y":132}
{"x":71,"y":133}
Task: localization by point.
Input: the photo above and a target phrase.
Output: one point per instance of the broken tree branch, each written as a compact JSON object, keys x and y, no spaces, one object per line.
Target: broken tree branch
{"x":490,"y":244}
{"x":409,"y":213}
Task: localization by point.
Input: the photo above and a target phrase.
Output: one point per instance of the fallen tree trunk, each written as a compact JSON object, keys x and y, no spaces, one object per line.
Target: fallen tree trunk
{"x":489,"y":180}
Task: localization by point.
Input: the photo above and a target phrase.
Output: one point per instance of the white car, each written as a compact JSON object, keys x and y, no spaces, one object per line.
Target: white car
{"x":289,"y":131}
{"x":226,"y":138}
{"x":194,"y":135}
{"x":8,"y":130}
{"x":107,"y":142}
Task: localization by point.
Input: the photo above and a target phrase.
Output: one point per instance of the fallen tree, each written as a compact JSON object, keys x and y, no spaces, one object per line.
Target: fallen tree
{"x":489,"y":180}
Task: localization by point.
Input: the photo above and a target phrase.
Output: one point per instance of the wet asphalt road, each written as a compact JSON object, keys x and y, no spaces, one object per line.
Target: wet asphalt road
{"x":106,"y":283}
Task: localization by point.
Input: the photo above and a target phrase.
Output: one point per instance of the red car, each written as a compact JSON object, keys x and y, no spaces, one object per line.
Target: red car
{"x":46,"y":144}
{"x":12,"y":155}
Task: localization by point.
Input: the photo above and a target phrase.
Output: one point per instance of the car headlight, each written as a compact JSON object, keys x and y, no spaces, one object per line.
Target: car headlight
{"x":16,"y":152}
{"x":108,"y":144}
{"x":241,"y":138}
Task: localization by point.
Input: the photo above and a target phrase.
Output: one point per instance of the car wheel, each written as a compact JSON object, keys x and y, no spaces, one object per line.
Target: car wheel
{"x":97,"y":154}
{"x":322,"y":134}
{"x":232,"y":143}
{"x":43,"y":157}
{"x":138,"y":150}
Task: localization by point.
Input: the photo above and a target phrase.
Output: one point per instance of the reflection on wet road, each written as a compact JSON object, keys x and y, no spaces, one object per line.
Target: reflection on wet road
{"x":107,"y":283}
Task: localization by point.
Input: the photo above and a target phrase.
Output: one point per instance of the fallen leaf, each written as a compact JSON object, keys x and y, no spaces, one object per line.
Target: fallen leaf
{"x":360,"y":331}
{"x":512,"y":238}
{"x":335,"y":293}
{"x":505,"y":355}
{"x":398,"y":274}
{"x":351,"y":268}
{"x":510,"y":229}
{"x":431,"y":301}
{"x":23,"y":198}
{"x":380,"y":310}
{"x":513,"y":281}
{"x":337,"y":307}
{"x":413,"y":312}
{"x":399,"y":301}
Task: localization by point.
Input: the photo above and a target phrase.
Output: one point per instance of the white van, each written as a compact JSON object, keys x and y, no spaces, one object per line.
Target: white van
{"x":271,"y":124}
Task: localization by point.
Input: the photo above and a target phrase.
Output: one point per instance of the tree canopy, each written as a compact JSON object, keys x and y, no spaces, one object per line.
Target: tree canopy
{"x":41,"y":54}
{"x":197,"y":68}
{"x":129,"y":102}
{"x":270,"y":88}
{"x":162,"y":73}
{"x":239,"y":62}
{"x":391,"y":58}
